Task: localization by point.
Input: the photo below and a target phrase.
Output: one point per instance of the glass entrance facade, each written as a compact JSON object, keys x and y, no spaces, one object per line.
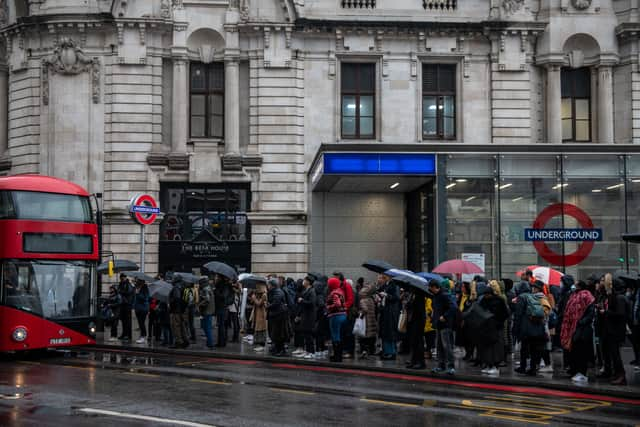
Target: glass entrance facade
{"x":492,"y":200}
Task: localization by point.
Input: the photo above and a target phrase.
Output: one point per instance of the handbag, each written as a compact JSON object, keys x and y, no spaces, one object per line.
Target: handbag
{"x":360,"y":327}
{"x":402,"y":322}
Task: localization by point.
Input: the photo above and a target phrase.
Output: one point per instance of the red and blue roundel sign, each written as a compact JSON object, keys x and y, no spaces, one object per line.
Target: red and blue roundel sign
{"x":143,"y":209}
{"x":539,"y":235}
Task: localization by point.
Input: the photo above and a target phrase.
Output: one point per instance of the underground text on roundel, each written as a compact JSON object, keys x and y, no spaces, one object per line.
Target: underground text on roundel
{"x":563,"y":234}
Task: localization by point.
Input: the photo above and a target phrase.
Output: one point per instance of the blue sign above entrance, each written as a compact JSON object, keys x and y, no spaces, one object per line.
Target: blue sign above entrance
{"x":379,"y":164}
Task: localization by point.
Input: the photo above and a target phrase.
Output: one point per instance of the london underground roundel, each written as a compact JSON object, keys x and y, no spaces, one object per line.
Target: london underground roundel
{"x":143,"y":209}
{"x":587,"y":235}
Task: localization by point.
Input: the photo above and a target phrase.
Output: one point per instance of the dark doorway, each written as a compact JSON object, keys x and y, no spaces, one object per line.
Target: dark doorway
{"x":421,"y":245}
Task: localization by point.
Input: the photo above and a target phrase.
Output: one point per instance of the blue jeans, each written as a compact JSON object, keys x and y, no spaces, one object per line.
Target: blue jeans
{"x":207,"y":326}
{"x":445,"y":348}
{"x":389,"y":348}
{"x":335,"y":326}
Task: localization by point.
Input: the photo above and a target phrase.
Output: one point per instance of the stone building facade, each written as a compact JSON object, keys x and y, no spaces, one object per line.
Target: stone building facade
{"x":225,"y":110}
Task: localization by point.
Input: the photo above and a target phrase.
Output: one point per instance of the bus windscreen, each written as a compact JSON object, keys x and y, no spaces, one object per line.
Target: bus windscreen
{"x":51,"y":289}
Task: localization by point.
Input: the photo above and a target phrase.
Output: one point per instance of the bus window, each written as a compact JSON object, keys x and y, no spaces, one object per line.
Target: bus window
{"x":6,"y":206}
{"x":50,"y":206}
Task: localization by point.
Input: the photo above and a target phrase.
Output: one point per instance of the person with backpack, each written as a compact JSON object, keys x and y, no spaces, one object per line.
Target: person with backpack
{"x":141,"y":308}
{"x":531,"y":325}
{"x":224,"y":297}
{"x":207,"y":308}
{"x":177,"y":313}
{"x":127,"y":293}
{"x":337,"y":314}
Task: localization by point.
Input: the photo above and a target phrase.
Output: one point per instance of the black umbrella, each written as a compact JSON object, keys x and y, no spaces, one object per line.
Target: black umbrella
{"x":409,"y":278}
{"x":378,"y":266}
{"x":119,"y":265}
{"x":186,"y":277}
{"x":222,"y":269}
{"x":630,"y":278}
{"x":160,"y":290}
{"x":139,"y":275}
{"x":251,"y":280}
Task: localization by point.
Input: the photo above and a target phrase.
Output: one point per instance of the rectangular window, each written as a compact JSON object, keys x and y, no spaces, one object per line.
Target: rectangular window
{"x":207,"y":100}
{"x":576,"y":104}
{"x":358,"y":100}
{"x":438,"y":101}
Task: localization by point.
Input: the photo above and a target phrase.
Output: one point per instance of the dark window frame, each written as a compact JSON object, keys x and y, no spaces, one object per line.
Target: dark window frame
{"x":207,"y":92}
{"x":357,"y":94}
{"x":439,"y":94}
{"x":207,"y":189}
{"x":572,"y":92}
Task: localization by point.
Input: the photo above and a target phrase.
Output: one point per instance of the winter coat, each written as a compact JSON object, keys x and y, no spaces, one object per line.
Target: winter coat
{"x":493,"y":328}
{"x":428,"y":309}
{"x":206,"y":303}
{"x":615,"y":317}
{"x":222,"y":292}
{"x":574,"y":311}
{"x":114,"y":301}
{"x":307,"y":311}
{"x":259,"y":314}
{"x":523,"y":327}
{"x":416,"y":312}
{"x":444,"y":305}
{"x":277,"y":303}
{"x":583,"y":333}
{"x":368,"y":309}
{"x":127,"y":292}
{"x":336,"y":303}
{"x":176,"y":303}
{"x":389,"y":312}
{"x":141,"y":300}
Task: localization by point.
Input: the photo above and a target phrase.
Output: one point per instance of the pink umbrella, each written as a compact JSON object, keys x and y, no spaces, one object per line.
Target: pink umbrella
{"x":545,"y":274}
{"x":457,"y":266}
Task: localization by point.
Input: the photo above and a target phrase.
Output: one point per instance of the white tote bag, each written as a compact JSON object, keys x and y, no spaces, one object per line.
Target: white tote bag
{"x":360,"y":327}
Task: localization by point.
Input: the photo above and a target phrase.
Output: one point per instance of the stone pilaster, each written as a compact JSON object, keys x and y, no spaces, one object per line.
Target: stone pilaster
{"x":232,"y":108}
{"x":179,"y":124}
{"x":605,"y":105}
{"x":554,"y":103}
{"x":4,"y":116}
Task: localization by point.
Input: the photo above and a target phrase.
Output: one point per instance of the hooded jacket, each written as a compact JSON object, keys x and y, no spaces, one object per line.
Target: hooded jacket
{"x":444,"y":305}
{"x":336,"y":300}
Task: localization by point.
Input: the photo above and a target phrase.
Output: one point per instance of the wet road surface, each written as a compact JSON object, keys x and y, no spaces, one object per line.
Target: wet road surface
{"x":123,"y":388}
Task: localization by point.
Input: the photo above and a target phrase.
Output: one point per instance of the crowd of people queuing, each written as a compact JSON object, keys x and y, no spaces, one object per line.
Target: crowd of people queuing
{"x":492,"y":322}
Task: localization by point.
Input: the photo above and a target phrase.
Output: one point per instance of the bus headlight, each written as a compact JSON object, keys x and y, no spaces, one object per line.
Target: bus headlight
{"x":19,"y":334}
{"x":92,"y":328}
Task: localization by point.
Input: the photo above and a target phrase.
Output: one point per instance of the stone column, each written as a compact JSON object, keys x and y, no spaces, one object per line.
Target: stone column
{"x":4,"y":116}
{"x":605,"y":105}
{"x":554,"y":103}
{"x":180,"y":107}
{"x":231,"y":112}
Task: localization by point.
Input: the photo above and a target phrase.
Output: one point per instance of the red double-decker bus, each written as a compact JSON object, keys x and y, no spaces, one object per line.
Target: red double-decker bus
{"x":48,"y":256}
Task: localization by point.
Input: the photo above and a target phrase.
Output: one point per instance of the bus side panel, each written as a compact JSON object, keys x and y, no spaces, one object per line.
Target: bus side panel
{"x":41,"y":333}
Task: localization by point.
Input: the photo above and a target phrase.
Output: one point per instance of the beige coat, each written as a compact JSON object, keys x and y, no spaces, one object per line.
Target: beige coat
{"x":259,"y":314}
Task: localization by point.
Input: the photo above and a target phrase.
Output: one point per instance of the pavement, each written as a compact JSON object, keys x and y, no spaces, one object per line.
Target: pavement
{"x":556,"y":380}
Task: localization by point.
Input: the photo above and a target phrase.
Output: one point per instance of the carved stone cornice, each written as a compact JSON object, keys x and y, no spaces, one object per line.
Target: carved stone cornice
{"x":68,"y":59}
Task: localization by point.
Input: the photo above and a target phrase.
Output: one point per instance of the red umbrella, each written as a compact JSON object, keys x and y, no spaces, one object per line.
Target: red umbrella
{"x":545,"y":274}
{"x":457,"y":266}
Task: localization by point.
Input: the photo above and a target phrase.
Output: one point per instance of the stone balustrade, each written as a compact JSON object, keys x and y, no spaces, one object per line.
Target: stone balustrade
{"x":444,"y":5}
{"x":359,"y":4}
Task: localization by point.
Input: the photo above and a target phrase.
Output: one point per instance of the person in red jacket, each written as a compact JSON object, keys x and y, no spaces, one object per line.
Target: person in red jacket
{"x":336,"y":312}
{"x":348,"y":340}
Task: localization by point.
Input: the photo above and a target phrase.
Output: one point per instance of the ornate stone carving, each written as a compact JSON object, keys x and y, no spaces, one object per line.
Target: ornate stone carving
{"x":581,"y":4}
{"x":512,"y":6}
{"x":4,"y":13}
{"x":68,"y":59}
{"x":165,"y":9}
{"x":177,"y":4}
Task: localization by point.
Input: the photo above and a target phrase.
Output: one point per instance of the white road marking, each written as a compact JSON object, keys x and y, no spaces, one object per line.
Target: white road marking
{"x":141,"y":417}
